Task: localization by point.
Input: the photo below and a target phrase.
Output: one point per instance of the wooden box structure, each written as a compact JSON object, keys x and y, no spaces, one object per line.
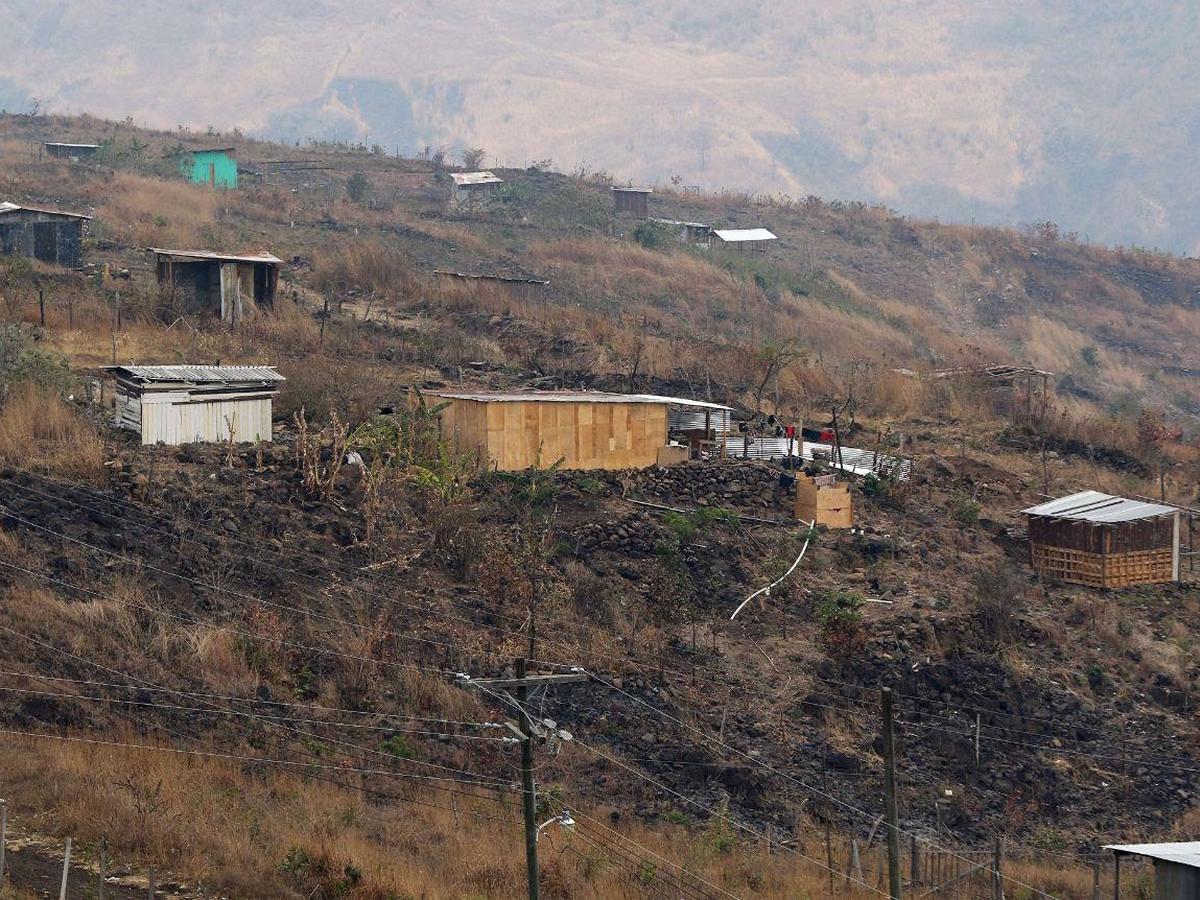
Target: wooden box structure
{"x":822,"y":501}
{"x":205,"y":281}
{"x":196,"y":404}
{"x":1104,"y":541}
{"x":631,"y":201}
{"x":583,"y":429}
{"x":48,"y":235}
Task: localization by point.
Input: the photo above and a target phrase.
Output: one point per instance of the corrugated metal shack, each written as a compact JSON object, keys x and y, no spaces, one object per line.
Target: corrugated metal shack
{"x":694,"y":234}
{"x":471,"y":189}
{"x":1104,"y":541}
{"x":511,"y":286}
{"x":46,"y":234}
{"x":214,"y":166}
{"x":632,"y":201}
{"x":73,"y":152}
{"x":1176,"y":867}
{"x":741,"y":239}
{"x":203,"y":281}
{"x":196,"y":404}
{"x":585,"y":429}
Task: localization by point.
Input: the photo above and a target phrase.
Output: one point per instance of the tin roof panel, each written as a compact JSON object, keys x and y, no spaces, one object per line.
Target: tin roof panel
{"x":465,"y":179}
{"x":1093,"y":506}
{"x":735,"y":235}
{"x":201,"y":374}
{"x":570,"y":397}
{"x":7,"y":207}
{"x":219,"y":257}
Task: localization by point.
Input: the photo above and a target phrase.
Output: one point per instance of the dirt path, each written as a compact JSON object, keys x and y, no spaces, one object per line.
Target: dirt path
{"x":32,"y":870}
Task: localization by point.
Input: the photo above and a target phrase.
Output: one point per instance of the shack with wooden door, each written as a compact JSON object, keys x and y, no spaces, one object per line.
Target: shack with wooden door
{"x":201,"y":281}
{"x":1104,"y":541}
{"x":73,"y":152}
{"x":196,"y":404}
{"x":48,"y":235}
{"x":582,"y":429}
{"x":631,"y":201}
{"x":1176,"y":867}
{"x":215,"y":166}
{"x":471,"y":190}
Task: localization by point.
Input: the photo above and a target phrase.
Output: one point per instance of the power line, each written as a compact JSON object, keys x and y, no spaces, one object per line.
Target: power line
{"x":253,"y":700}
{"x":231,"y":712}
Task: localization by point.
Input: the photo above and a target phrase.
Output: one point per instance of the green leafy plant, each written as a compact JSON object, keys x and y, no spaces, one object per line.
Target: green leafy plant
{"x":964,"y":510}
{"x":397,"y":746}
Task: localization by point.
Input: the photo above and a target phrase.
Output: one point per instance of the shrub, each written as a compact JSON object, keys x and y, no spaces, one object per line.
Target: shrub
{"x":358,"y":187}
{"x":839,"y":614}
{"x":22,"y":361}
{"x":651,"y":235}
{"x":964,"y":510}
{"x":999,"y":594}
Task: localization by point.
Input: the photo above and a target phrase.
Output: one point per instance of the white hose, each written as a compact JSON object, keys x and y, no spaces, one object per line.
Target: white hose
{"x":767,"y":590}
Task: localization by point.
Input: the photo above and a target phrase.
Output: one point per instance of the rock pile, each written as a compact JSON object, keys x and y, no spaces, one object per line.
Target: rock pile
{"x":733,"y":484}
{"x":635,"y":535}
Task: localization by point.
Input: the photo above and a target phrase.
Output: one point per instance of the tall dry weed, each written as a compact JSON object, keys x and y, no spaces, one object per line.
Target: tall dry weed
{"x":40,"y":431}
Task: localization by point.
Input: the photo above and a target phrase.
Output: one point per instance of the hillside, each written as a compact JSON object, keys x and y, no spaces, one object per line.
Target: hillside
{"x":304,"y":623}
{"x":938,"y":107}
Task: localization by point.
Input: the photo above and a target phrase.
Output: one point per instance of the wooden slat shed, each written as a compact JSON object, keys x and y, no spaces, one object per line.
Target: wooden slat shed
{"x":1100,"y":540}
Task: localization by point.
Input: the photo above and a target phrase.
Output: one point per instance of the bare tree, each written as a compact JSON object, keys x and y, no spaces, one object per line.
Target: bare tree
{"x":473,"y":157}
{"x":771,"y":361}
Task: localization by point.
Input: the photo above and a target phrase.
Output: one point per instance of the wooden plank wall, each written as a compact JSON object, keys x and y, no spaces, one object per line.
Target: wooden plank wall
{"x":517,"y":435}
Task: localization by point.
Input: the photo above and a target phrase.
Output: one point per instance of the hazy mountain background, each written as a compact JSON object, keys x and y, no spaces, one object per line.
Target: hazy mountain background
{"x":1081,"y":112}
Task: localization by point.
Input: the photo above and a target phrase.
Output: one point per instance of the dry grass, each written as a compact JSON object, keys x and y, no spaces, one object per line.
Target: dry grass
{"x":39,"y":431}
{"x":150,"y":212}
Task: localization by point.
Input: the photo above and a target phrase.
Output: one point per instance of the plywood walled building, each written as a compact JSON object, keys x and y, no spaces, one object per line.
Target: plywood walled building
{"x":47,"y":235}
{"x":196,"y":404}
{"x":631,"y":201}
{"x":1104,"y":541}
{"x":207,"y":282}
{"x":583,"y":429}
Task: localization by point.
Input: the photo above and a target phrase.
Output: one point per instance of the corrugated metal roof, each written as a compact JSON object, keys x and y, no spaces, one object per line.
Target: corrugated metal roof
{"x":735,"y":235}
{"x":678,"y":223}
{"x":634,"y":190}
{"x":220,"y":257}
{"x":72,"y":146}
{"x":7,"y":207}
{"x":465,"y":179}
{"x":1093,"y":506}
{"x":1186,"y":853}
{"x":570,"y":397}
{"x":214,"y":150}
{"x":201,"y":374}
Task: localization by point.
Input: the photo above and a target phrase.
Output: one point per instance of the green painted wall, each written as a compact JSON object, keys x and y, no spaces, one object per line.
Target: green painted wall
{"x":215,"y":167}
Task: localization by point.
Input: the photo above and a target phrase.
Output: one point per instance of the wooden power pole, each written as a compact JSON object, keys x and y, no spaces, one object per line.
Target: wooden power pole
{"x":889,"y":789}
{"x":526,"y":729}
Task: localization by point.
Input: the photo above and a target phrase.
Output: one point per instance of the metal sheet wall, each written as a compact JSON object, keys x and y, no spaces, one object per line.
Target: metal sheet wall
{"x":173,"y":419}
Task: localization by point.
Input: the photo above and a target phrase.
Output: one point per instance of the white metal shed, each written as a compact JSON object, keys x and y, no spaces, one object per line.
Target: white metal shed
{"x":196,"y":404}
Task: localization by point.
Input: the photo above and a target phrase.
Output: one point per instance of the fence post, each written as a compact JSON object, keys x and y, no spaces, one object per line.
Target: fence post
{"x":3,"y":831}
{"x":915,"y":866}
{"x":1096,"y":879}
{"x":62,"y":891}
{"x":153,"y":886}
{"x":997,"y":868}
{"x":103,"y":868}
{"x":42,"y":306}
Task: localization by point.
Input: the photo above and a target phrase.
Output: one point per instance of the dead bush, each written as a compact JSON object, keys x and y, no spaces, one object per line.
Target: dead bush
{"x":40,"y":431}
{"x":1000,"y":595}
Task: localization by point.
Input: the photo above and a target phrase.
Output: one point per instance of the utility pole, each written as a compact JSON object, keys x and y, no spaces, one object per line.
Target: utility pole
{"x":889,"y":790}
{"x":528,"y":788}
{"x":526,"y":729}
